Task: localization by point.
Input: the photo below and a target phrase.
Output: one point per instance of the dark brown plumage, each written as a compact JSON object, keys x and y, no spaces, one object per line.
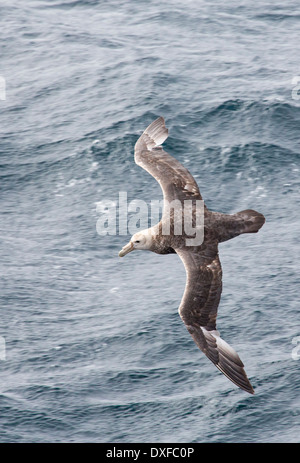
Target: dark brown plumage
{"x":199,"y":305}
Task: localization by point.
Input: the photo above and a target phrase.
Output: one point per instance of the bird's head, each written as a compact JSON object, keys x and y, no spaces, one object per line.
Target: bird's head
{"x":140,"y":240}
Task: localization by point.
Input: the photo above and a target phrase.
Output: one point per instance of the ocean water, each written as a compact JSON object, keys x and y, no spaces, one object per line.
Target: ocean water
{"x":92,"y":346}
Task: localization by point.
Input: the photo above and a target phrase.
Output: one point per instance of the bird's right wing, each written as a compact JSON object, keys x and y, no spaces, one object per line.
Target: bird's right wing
{"x":175,"y":180}
{"x":198,"y":310}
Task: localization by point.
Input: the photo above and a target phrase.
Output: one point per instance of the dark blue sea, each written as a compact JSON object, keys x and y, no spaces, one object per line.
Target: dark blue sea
{"x":92,"y":348}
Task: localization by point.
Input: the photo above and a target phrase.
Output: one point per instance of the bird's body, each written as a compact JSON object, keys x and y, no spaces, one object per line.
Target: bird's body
{"x":199,"y":305}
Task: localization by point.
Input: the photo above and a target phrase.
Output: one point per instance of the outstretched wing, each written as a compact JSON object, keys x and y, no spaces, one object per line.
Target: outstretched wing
{"x":198,"y":310}
{"x":175,"y":180}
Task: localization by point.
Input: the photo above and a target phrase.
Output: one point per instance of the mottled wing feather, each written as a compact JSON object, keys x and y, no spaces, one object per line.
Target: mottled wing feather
{"x":175,"y":180}
{"x":198,"y":310}
{"x":203,"y":288}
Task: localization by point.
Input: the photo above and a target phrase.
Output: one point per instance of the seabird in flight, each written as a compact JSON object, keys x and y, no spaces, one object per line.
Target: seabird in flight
{"x":199,"y":305}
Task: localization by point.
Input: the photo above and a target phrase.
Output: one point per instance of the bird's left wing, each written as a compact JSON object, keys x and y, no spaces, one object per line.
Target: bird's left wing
{"x":198,"y":310}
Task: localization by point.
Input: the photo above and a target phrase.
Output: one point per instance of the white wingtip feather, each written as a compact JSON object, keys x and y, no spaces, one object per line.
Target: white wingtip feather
{"x":155,"y":134}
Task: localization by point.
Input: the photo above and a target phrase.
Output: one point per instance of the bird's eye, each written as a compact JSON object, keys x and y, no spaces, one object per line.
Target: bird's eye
{"x":137,"y":241}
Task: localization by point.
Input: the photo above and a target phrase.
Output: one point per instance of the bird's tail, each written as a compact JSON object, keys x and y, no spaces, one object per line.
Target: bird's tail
{"x":251,"y":221}
{"x":247,"y":221}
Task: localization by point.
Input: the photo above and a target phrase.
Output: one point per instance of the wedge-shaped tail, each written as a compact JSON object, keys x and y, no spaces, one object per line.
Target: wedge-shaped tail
{"x":251,"y":221}
{"x":247,"y":221}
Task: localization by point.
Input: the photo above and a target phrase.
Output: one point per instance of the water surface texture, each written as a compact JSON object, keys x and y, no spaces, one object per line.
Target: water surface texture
{"x":95,"y":350}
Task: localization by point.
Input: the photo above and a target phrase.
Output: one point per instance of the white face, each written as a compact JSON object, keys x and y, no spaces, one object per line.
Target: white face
{"x":141,"y":240}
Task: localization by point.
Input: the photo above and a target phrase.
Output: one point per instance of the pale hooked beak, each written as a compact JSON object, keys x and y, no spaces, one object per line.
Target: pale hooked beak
{"x":128,"y":248}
